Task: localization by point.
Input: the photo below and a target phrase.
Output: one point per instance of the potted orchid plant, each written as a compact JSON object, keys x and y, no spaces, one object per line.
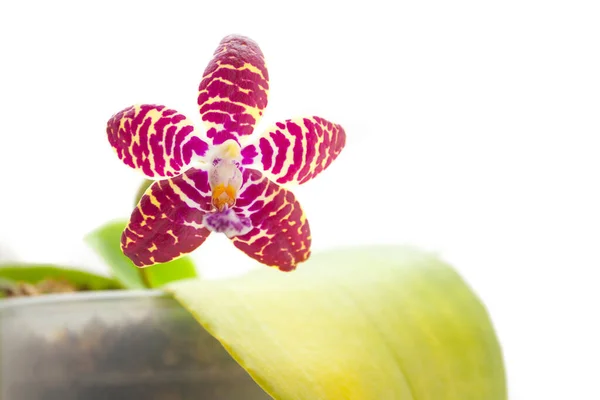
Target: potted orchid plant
{"x":379,"y":322}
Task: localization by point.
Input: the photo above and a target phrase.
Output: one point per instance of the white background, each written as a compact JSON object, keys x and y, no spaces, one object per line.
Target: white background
{"x":471,"y":127}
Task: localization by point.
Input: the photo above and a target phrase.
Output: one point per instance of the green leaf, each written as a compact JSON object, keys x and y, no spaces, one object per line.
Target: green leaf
{"x":35,"y":273}
{"x":146,"y":183}
{"x":173,"y":271}
{"x":370,"y":323}
{"x":106,"y":241}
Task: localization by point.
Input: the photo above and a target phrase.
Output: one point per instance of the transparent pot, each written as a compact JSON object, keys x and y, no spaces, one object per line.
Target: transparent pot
{"x":113,"y":345}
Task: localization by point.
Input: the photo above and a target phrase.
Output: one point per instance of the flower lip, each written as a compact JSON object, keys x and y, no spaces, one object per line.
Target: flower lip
{"x":228,"y":222}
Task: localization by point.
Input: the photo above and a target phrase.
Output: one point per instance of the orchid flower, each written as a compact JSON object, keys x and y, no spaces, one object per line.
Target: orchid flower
{"x":225,"y":181}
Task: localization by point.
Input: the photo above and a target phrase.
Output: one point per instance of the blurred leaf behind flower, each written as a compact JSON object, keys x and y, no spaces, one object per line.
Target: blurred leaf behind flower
{"x":106,"y":241}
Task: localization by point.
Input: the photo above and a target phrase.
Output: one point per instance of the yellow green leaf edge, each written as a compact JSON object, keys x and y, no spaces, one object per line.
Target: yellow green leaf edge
{"x":380,"y":322}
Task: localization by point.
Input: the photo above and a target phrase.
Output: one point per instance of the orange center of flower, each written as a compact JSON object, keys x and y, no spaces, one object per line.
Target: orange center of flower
{"x":223,"y":196}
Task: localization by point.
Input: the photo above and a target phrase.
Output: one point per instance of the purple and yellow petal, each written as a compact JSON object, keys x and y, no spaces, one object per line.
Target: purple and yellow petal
{"x":234,"y":89}
{"x":296,"y":150}
{"x":154,"y":139}
{"x":280,"y":235}
{"x":167,"y":222}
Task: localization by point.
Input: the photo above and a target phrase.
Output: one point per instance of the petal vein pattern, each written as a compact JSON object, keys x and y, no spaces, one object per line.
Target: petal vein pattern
{"x":167,"y":222}
{"x":296,"y":150}
{"x":280,"y":234}
{"x":234,"y":89}
{"x":158,"y":141}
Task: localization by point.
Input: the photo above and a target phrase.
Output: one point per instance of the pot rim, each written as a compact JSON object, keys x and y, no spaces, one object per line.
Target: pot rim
{"x":91,"y":295}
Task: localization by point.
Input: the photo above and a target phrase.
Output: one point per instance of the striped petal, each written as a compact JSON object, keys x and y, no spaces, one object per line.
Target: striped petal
{"x":167,"y":222}
{"x":296,"y":150}
{"x":154,"y":139}
{"x":233,"y":92}
{"x":280,"y":235}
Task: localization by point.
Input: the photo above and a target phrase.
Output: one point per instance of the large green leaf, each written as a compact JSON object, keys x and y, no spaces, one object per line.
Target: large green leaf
{"x":106,"y":241}
{"x":372,"y":323}
{"x":35,"y":273}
